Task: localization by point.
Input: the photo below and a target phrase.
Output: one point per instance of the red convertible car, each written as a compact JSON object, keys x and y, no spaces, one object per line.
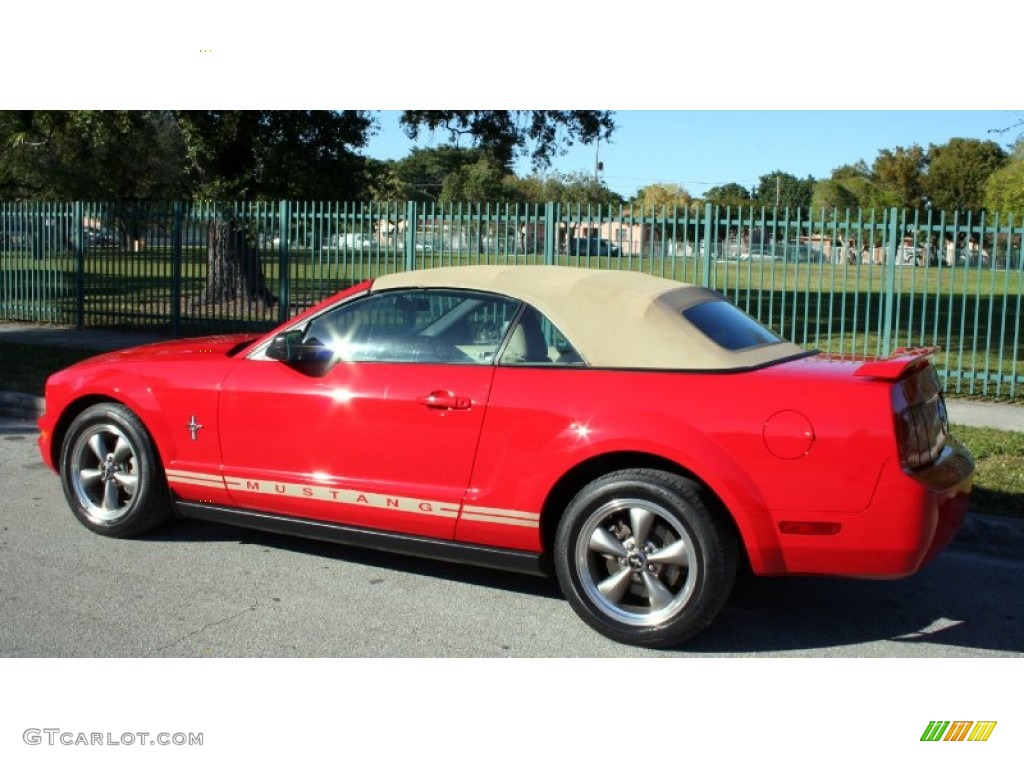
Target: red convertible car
{"x":641,"y":438}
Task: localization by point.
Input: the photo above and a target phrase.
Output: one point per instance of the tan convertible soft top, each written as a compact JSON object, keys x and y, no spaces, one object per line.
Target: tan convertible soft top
{"x":615,"y":319}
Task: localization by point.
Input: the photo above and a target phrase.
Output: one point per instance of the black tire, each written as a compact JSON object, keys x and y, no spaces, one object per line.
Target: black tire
{"x":662,"y":592}
{"x":111,"y":474}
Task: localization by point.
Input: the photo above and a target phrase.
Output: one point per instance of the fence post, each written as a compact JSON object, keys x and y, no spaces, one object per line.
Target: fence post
{"x":409,"y":236}
{"x":893,"y":239}
{"x":176,"y":238}
{"x":79,"y":230}
{"x":550,"y":233}
{"x":704,"y":246}
{"x":284,"y":261}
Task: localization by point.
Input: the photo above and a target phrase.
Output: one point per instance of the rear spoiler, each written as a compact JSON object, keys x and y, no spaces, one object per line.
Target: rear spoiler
{"x":898,"y":364}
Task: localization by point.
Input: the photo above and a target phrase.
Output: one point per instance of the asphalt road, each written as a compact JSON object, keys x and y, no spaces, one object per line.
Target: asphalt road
{"x":197,"y":589}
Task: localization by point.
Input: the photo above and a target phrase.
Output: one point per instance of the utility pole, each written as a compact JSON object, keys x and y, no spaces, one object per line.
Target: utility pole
{"x":597,"y":160}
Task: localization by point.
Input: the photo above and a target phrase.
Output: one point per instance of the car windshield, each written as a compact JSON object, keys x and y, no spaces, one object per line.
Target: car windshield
{"x":728,"y":326}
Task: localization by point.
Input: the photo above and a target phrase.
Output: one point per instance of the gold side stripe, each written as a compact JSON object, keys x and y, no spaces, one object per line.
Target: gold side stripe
{"x":198,"y":483}
{"x":315,"y":492}
{"x":500,"y":520}
{"x":185,"y":475}
{"x":194,"y":478}
{"x":494,"y":512}
{"x":343,"y":496}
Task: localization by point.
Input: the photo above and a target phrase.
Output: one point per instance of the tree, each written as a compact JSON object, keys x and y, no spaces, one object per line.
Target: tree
{"x":784,"y":190}
{"x":900,"y":173}
{"x":91,"y":155}
{"x":856,"y":170}
{"x":121,"y":157}
{"x":382,"y":182}
{"x":731,"y":194}
{"x":483,"y":181}
{"x":1004,"y":189}
{"x":852,"y":186}
{"x":252,"y":155}
{"x":663,"y":196}
{"x":831,"y":195}
{"x":507,"y":135}
{"x":958,"y":171}
{"x":423,"y":171}
{"x":568,"y":189}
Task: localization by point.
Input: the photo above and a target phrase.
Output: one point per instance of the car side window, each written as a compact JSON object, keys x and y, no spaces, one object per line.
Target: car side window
{"x":534,"y":340}
{"x":415,"y":326}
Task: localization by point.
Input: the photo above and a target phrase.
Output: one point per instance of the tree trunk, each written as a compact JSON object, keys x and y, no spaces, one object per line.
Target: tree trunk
{"x":233,"y":270}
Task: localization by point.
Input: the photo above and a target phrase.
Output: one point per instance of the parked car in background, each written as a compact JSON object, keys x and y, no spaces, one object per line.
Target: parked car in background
{"x":353,"y":240}
{"x":800,"y":252}
{"x":592,"y":246}
{"x":641,"y":439}
{"x":99,"y":236}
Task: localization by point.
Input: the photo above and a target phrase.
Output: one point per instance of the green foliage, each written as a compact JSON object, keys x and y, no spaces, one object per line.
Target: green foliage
{"x":957,"y":172}
{"x":423,"y":172}
{"x":731,"y":194}
{"x":784,"y":190}
{"x":506,"y":135}
{"x":999,"y":481}
{"x":857,"y":170}
{"x":275,"y":154}
{"x":568,"y":189}
{"x":1004,"y":190}
{"x":663,"y":197}
{"x":851,"y":187}
{"x":830,"y":195}
{"x":91,"y":155}
{"x":899,"y":173}
{"x":483,"y":181}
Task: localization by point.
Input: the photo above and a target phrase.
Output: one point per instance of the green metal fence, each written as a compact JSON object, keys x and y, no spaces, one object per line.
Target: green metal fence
{"x":851,"y":282}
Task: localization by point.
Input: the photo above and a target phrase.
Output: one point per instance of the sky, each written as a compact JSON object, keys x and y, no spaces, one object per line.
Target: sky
{"x":700,"y":149}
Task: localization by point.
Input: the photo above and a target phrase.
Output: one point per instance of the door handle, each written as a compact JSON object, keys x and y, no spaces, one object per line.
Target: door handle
{"x":444,"y":400}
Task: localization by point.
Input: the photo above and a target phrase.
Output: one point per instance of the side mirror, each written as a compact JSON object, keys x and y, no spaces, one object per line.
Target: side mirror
{"x":289,"y":347}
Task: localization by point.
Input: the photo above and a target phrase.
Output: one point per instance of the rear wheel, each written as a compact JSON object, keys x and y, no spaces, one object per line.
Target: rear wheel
{"x":643,"y":560}
{"x":111,"y":474}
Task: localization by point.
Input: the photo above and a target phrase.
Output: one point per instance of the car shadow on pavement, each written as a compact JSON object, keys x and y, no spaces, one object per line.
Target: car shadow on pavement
{"x":945,"y":604}
{"x":788,"y":616}
{"x":199,"y":531}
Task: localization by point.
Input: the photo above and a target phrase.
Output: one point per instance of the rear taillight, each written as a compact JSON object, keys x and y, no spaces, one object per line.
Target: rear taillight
{"x":922,"y":427}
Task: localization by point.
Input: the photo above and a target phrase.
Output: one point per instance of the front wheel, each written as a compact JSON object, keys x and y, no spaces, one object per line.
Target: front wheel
{"x":111,"y":474}
{"x":642,"y":558}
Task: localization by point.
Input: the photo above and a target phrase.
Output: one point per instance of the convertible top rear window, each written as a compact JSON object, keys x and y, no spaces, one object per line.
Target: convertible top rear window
{"x":728,"y":326}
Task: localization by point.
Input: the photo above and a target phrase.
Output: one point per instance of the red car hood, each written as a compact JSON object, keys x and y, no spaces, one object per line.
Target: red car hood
{"x":178,"y":349}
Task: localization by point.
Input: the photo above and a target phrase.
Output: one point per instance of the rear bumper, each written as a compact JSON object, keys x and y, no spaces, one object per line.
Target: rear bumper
{"x":911,"y":518}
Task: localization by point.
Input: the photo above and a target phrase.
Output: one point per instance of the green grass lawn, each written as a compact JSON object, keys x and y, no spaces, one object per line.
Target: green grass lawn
{"x":998,"y":486}
{"x":999,"y":482}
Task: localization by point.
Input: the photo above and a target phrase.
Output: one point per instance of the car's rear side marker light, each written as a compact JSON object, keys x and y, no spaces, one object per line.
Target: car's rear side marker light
{"x":803,"y":528}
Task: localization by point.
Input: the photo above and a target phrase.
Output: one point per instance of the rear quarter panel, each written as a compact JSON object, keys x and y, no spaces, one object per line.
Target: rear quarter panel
{"x":541,"y":423}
